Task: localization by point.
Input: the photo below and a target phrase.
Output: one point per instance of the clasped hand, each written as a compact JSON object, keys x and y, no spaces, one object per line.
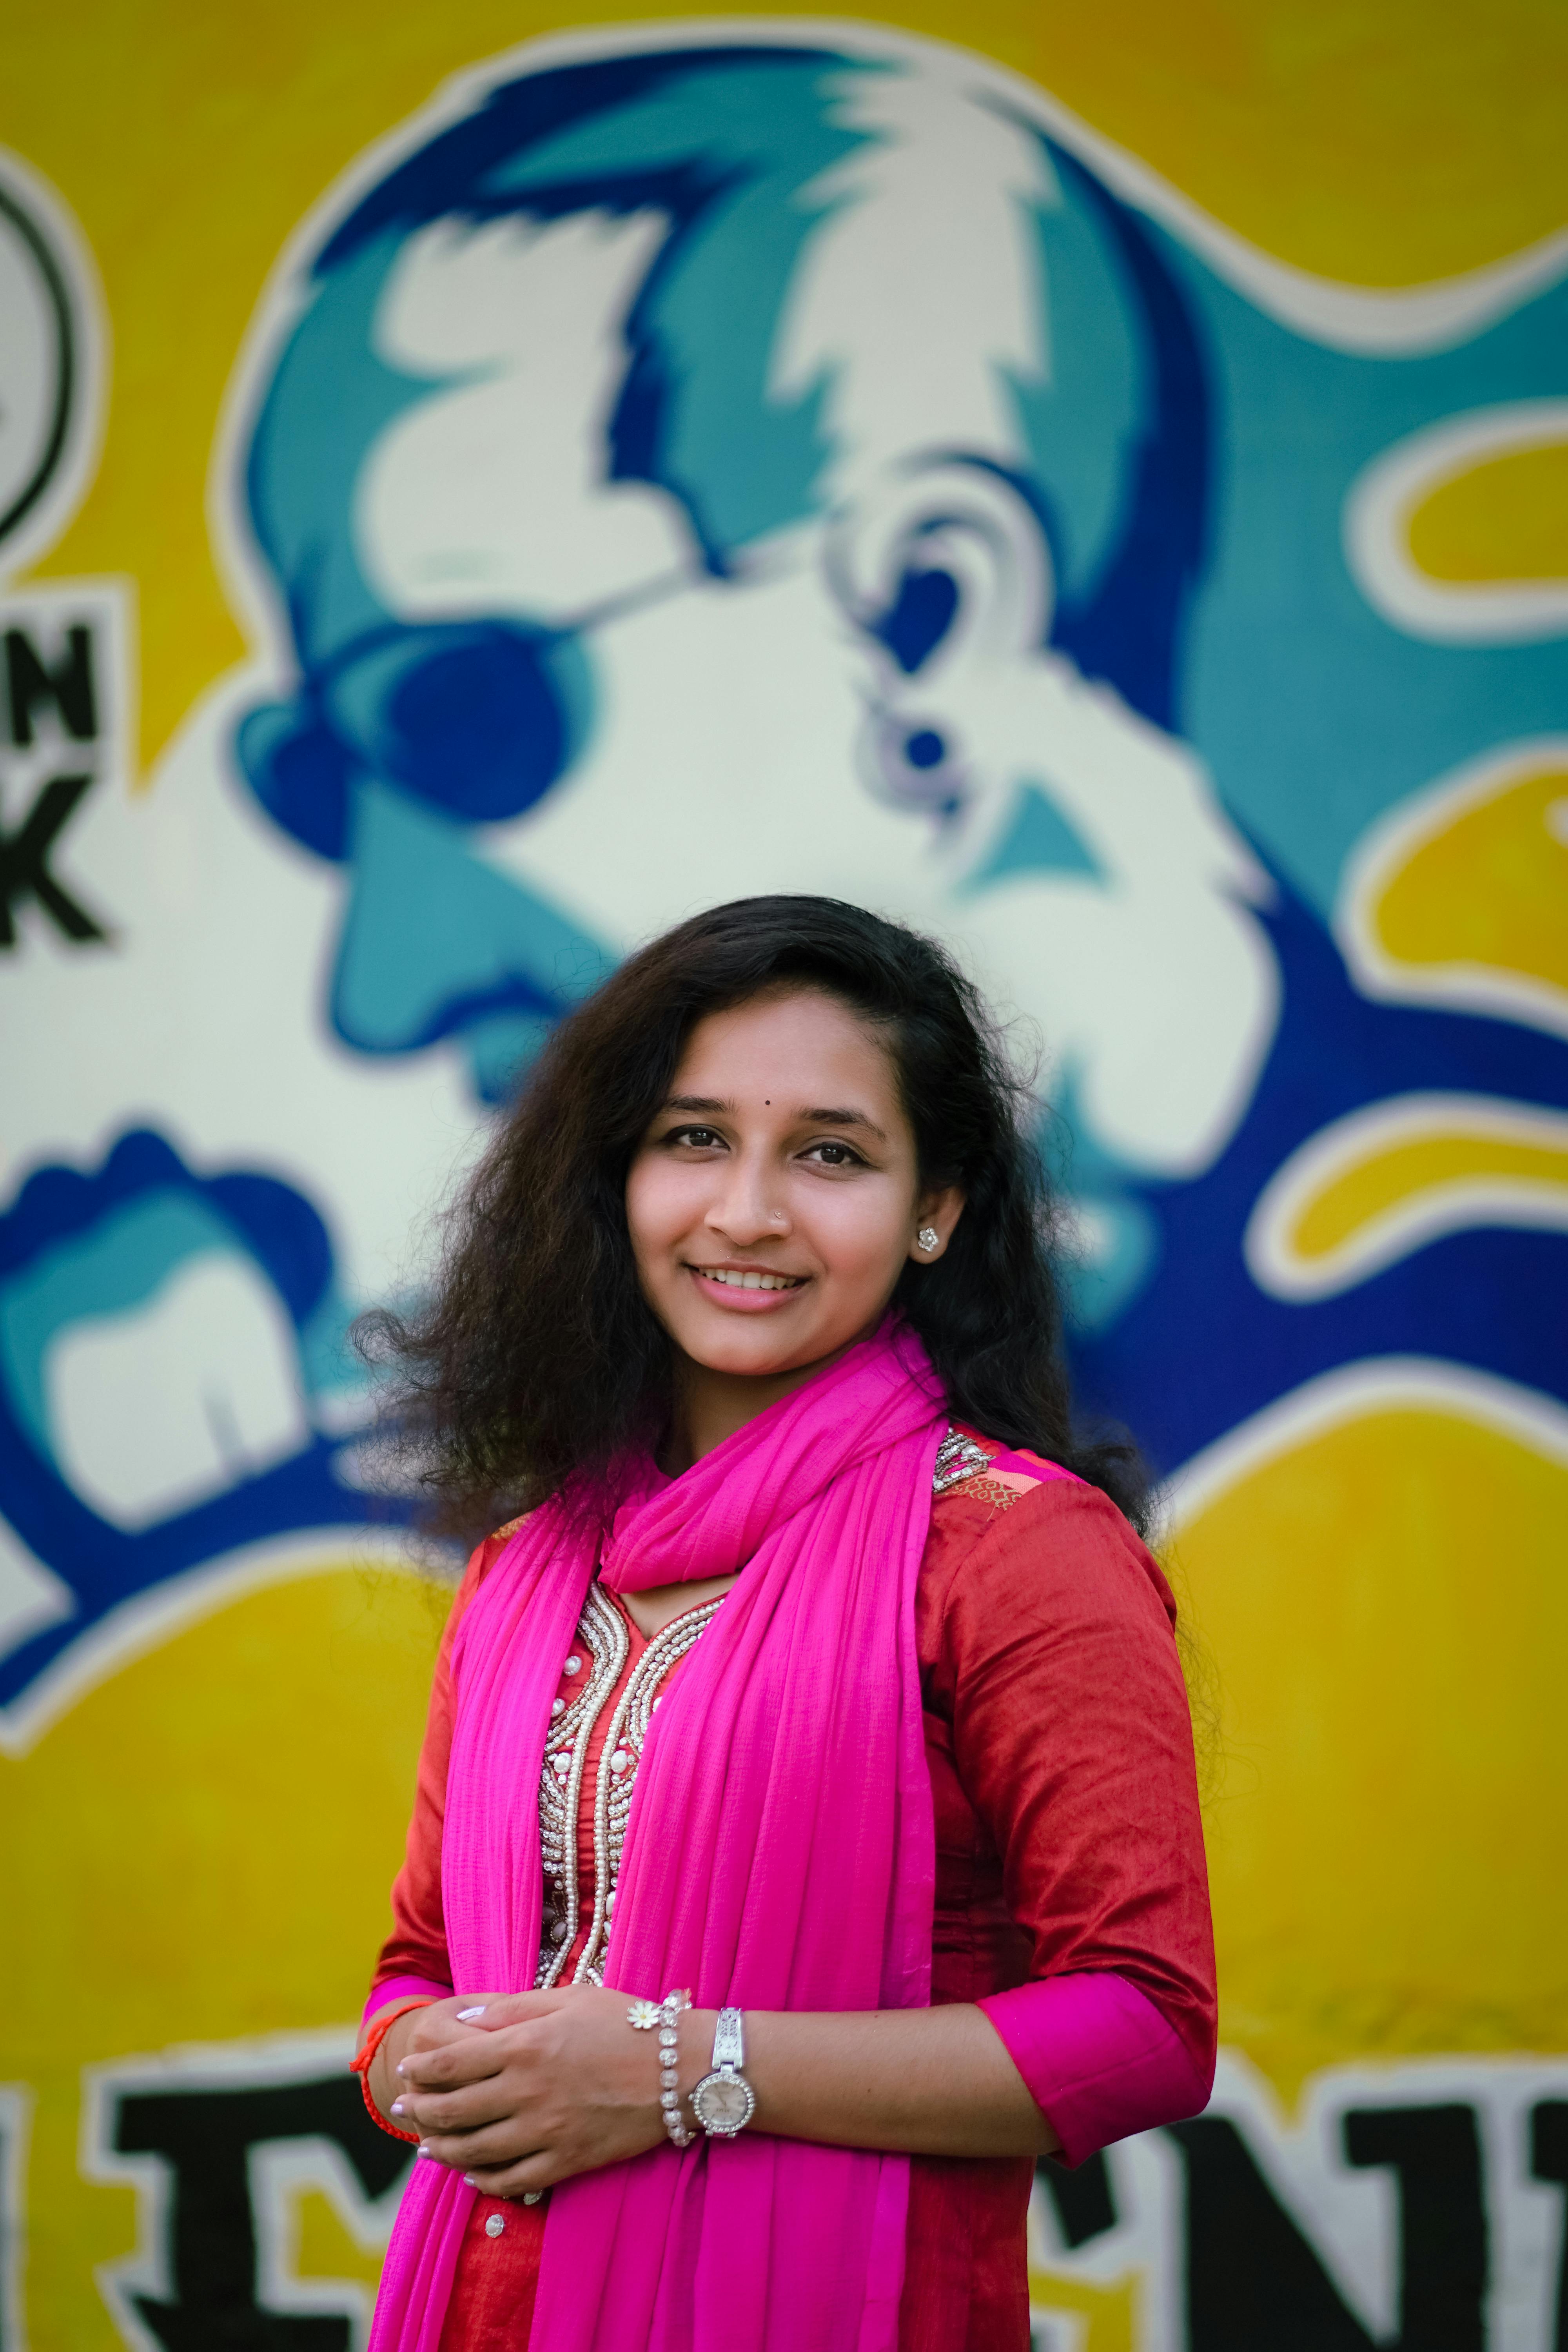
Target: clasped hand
{"x":537,"y":2087}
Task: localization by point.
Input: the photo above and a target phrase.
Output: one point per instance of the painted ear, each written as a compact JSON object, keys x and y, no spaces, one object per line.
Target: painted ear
{"x":944,"y":566}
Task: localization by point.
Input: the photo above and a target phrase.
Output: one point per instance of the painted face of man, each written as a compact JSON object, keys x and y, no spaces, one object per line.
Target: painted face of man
{"x":580,"y":716}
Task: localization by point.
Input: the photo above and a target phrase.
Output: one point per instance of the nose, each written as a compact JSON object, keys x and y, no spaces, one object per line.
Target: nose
{"x":750,"y":1205}
{"x":436,"y":942}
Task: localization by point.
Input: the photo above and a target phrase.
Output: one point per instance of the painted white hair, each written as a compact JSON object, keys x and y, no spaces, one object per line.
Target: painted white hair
{"x":930,"y":225}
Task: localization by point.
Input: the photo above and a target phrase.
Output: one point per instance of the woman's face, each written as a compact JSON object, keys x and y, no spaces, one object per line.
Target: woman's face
{"x":775,"y":1199}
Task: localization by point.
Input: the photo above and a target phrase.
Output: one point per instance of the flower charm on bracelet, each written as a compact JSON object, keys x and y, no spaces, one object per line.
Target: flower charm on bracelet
{"x":644,"y":2014}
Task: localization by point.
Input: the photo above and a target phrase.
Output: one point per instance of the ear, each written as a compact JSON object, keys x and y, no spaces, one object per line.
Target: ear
{"x":946,"y":565}
{"x":946,"y":570}
{"x":937,"y":1212}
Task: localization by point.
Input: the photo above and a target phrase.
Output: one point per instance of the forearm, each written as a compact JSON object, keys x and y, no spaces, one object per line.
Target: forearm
{"x":923,"y":2082}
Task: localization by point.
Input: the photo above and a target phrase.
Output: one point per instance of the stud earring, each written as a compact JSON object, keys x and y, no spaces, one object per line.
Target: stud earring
{"x":928,"y":1237}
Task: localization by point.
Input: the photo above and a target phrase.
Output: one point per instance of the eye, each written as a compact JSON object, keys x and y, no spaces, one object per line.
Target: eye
{"x":833,"y":1155}
{"x":700,"y":1138}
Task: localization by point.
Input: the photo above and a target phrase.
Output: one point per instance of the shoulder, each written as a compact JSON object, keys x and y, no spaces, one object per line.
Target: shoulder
{"x":1013,"y":1532}
{"x":480,"y":1562}
{"x":974,"y":1469}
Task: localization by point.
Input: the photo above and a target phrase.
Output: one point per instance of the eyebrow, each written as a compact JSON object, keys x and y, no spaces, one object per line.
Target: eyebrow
{"x":842,"y":1115}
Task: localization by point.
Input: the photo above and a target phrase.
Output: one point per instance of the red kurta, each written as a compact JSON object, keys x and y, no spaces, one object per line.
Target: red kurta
{"x":1067,"y":1840}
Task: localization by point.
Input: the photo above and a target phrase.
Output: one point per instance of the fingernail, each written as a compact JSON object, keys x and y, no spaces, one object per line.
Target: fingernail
{"x":423,"y":2148}
{"x":464,"y":2014}
{"x":396,"y":2109}
{"x":469,"y":2180}
{"x":399,"y":2068}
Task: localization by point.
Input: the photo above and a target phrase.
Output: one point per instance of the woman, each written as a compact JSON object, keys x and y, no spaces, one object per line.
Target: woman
{"x":822,"y":1678}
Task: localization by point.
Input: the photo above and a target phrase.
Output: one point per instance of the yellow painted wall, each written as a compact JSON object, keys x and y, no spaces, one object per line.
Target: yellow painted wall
{"x":200,"y":1847}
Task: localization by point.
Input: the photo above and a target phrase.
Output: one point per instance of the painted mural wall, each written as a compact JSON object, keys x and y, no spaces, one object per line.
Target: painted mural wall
{"x":472,"y":493}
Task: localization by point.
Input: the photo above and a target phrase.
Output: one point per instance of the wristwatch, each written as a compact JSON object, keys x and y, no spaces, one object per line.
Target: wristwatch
{"x":724,"y":2102}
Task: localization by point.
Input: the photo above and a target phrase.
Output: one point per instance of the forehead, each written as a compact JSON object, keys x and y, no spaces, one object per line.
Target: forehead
{"x":793,"y":1049}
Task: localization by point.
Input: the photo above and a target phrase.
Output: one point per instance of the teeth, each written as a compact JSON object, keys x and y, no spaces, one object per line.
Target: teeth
{"x":749,"y":1281}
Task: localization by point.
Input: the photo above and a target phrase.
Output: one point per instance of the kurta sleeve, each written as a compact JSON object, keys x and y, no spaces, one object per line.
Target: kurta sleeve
{"x":414,"y":1957}
{"x":1056,"y":1664}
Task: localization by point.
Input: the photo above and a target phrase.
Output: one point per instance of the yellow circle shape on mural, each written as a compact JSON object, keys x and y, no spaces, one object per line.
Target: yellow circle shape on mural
{"x":1369,"y":1187}
{"x":1504,"y":520}
{"x":1490,"y":890}
{"x":1375,"y":1566}
{"x":1460,"y":532}
{"x":1460,"y":895}
{"x":202,"y":1849}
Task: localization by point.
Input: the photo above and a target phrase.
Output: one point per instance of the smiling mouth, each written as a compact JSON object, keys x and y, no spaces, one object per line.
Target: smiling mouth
{"x":750,"y":1281}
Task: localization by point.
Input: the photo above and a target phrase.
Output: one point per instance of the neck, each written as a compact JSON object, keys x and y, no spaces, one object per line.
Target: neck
{"x":710,"y":1406}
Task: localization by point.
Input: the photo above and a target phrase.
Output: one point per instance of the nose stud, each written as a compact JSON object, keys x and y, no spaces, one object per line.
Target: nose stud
{"x":928,"y":1237}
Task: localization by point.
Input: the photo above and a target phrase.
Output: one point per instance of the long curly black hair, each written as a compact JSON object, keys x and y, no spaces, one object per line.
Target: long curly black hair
{"x":536,"y":1358}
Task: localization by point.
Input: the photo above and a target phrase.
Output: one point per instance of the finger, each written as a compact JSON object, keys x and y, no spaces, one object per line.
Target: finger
{"x":493,"y":2145}
{"x":527,"y":2177}
{"x":449,"y":2016}
{"x":467,"y":2007}
{"x":490,"y":2011}
{"x":450,"y":2065}
{"x":452,"y":2111}
{"x":434,"y":2032}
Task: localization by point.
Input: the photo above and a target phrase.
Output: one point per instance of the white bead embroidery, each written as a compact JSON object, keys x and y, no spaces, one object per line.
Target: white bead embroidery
{"x":957,"y":1457}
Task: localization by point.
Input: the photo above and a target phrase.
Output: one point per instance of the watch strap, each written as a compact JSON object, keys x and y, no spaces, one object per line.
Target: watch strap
{"x":729,"y":2040}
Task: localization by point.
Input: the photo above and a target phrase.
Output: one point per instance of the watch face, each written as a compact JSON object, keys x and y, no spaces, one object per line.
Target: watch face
{"x":723,"y":2106}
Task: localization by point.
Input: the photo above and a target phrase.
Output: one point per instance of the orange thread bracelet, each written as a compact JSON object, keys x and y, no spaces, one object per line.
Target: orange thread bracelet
{"x":360,"y":2063}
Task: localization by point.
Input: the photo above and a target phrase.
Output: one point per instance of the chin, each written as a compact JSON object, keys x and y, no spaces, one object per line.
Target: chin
{"x":750,"y":1353}
{"x":756,"y":1358}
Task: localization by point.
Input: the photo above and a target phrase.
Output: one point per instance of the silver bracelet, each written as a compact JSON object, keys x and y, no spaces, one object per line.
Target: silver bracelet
{"x":646,"y":2014}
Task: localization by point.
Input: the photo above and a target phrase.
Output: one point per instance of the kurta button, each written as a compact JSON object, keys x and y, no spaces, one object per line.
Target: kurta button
{"x":531,"y":2196}
{"x":495,"y":2225}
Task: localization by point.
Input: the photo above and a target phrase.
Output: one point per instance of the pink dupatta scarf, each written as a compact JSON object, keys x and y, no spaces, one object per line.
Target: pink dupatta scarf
{"x":779,"y":1855}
